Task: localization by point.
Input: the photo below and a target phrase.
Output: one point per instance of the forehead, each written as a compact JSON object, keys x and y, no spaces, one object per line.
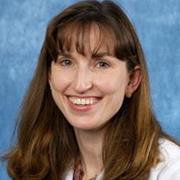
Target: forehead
{"x":86,"y":39}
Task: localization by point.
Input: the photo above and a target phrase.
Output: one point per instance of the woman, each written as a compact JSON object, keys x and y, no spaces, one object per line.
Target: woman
{"x":87,"y":114}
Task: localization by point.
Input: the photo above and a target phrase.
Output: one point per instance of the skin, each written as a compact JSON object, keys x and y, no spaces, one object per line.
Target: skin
{"x":102,"y":78}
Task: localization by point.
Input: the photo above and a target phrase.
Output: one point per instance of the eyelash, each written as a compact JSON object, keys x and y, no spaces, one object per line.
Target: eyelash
{"x":102,"y":64}
{"x":99,"y":63}
{"x":65,"y":62}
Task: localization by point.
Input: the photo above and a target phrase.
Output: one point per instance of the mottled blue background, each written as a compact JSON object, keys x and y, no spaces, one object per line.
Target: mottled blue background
{"x":22,"y":29}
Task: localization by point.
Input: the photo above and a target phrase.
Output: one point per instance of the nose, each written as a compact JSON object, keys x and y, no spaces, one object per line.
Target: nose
{"x":82,"y":80}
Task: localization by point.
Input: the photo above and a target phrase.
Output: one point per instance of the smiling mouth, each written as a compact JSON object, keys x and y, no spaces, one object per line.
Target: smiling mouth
{"x":83,"y":101}
{"x":83,"y":104}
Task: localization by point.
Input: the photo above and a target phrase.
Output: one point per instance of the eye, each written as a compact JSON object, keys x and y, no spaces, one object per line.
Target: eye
{"x":102,"y":64}
{"x":65,"y":62}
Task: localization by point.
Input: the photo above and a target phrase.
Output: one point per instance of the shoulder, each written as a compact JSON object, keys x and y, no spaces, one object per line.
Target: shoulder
{"x":169,"y":166}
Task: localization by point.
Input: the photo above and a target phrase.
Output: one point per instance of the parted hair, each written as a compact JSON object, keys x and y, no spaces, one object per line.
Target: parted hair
{"x":46,"y":145}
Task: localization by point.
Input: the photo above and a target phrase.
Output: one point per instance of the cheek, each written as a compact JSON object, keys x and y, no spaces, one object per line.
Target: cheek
{"x":114,"y":91}
{"x":58,"y":81}
{"x":113,"y":84}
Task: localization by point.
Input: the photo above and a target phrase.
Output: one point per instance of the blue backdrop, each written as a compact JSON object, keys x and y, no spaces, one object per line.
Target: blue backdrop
{"x":22,"y":29}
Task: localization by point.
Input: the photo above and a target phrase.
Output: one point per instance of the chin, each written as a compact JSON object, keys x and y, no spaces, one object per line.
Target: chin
{"x":87,"y":126}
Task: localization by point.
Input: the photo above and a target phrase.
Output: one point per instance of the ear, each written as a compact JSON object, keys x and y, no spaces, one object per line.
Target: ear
{"x":135,"y":78}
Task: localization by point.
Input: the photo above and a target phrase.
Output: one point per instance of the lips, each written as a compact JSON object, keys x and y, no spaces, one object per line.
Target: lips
{"x":83,"y":103}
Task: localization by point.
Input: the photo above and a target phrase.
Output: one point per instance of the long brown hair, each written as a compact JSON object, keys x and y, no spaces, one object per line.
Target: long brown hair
{"x":46,"y":144}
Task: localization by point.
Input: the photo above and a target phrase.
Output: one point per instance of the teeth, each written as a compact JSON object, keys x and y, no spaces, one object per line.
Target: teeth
{"x":83,"y":101}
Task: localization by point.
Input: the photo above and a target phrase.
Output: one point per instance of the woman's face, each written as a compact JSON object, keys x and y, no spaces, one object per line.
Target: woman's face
{"x":88,"y":89}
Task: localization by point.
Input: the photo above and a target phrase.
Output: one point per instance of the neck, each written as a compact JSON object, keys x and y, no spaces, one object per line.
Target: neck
{"x":90,"y":145}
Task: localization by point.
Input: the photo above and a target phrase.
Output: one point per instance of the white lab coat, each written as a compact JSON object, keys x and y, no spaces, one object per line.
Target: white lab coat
{"x":167,"y":169}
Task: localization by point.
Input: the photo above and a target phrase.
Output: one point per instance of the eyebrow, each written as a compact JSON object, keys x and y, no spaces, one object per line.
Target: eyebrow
{"x":101,"y":54}
{"x":93,"y":55}
{"x":65,"y":55}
